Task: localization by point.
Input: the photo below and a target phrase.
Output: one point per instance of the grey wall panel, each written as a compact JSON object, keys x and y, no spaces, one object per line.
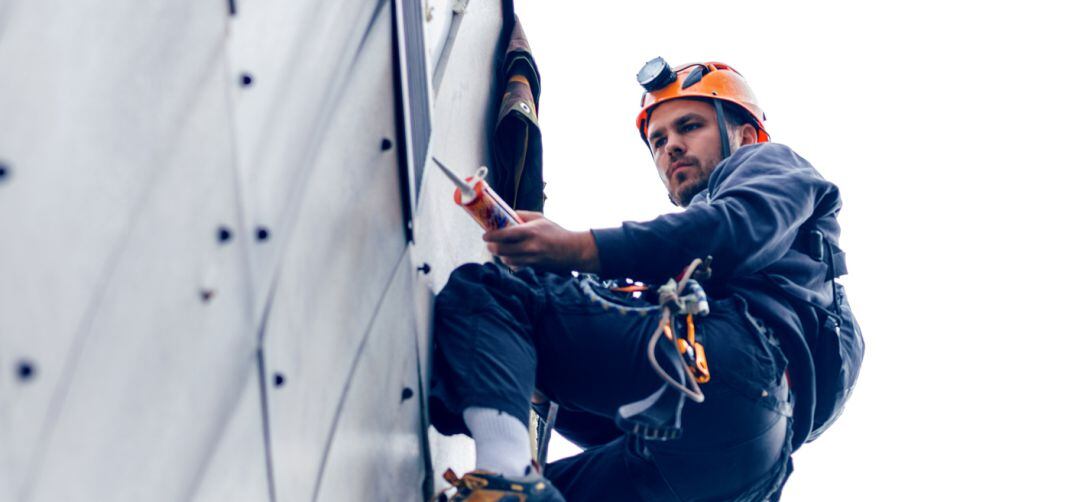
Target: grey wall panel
{"x":342,"y":251}
{"x":300,"y":57}
{"x":462,"y":120}
{"x":237,"y":470}
{"x":375,"y":454}
{"x":131,"y":138}
{"x":120,"y":173}
{"x":156,"y":367}
{"x":445,"y":234}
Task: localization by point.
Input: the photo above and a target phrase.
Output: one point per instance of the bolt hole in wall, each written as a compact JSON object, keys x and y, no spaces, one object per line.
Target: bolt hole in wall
{"x":4,"y":171}
{"x":386,"y":144}
{"x":246,"y":80}
{"x":279,"y":379}
{"x":224,"y":234}
{"x":406,"y":393}
{"x":25,"y":370}
{"x":262,"y":234}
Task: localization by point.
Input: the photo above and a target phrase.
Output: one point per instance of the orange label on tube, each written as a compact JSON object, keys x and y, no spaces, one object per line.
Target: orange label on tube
{"x":487,"y":208}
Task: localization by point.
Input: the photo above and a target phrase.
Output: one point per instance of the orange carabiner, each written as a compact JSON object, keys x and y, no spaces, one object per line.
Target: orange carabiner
{"x":701,"y":366}
{"x":702,"y":373}
{"x":690,"y":329}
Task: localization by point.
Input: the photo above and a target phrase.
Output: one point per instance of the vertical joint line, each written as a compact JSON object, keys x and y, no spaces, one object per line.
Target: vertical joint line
{"x":266,"y":424}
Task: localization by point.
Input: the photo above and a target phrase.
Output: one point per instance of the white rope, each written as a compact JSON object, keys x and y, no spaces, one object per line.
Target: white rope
{"x":693,"y":391}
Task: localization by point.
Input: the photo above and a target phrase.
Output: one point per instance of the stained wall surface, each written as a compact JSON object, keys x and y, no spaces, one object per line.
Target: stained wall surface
{"x":206,"y":289}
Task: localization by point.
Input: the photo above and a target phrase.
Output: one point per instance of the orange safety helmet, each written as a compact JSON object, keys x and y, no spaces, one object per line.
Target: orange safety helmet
{"x":714,"y":81}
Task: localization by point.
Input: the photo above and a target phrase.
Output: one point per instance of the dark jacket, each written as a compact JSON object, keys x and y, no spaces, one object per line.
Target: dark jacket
{"x":756,"y":220}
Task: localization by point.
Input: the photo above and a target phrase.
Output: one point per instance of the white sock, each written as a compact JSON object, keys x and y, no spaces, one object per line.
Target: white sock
{"x":502,"y":441}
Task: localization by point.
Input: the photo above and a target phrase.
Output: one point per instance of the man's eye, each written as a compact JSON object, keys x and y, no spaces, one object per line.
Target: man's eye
{"x":690,"y":127}
{"x":659,"y":143}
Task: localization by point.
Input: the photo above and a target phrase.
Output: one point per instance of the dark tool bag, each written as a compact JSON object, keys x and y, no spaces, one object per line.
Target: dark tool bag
{"x":837,"y":350}
{"x":837,"y":356}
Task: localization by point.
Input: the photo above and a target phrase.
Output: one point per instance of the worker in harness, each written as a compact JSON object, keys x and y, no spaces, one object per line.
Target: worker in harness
{"x":772,"y":350}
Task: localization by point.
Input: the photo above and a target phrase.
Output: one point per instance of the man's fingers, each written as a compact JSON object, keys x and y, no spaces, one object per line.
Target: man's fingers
{"x":530,"y":215}
{"x":515,"y":233}
{"x":501,"y":249}
{"x":508,"y":234}
{"x":512,"y":249}
{"x":518,"y":233}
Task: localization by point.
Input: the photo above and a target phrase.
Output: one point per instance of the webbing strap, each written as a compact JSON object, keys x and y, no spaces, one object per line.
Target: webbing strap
{"x":725,"y":145}
{"x":814,"y":244}
{"x":839,"y":264}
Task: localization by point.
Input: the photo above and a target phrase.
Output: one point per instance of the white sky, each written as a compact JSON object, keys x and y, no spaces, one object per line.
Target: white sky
{"x":949,"y":127}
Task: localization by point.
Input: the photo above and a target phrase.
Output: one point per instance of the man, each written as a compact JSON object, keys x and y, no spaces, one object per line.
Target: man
{"x":765,"y":217}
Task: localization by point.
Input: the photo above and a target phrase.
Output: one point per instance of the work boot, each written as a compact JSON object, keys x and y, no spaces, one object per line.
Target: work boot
{"x":483,"y":486}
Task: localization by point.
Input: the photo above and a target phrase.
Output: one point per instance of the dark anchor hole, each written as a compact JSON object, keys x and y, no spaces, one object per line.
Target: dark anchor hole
{"x":223,"y":234}
{"x":262,"y":233}
{"x":279,"y":379}
{"x":246,"y":79}
{"x":25,"y":370}
{"x":406,"y":393}
{"x":425,"y":268}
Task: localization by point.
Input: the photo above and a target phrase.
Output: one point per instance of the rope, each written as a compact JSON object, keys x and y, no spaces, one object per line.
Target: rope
{"x":671,"y":300}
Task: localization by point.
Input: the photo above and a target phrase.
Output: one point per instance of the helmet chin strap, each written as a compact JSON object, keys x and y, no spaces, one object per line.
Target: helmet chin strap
{"x":725,"y":145}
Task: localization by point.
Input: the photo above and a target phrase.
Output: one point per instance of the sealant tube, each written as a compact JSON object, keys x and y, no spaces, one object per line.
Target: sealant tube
{"x":482,"y":203}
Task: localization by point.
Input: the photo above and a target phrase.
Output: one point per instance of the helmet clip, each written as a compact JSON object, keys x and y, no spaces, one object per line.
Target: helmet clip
{"x":694,"y":76}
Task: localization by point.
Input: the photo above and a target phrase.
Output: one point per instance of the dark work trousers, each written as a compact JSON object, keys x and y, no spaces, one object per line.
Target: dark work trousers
{"x":500,"y":334}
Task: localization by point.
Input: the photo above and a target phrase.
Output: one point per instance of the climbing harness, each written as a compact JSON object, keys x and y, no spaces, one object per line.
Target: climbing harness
{"x":681,"y":363}
{"x":671,"y":301}
{"x":659,"y":415}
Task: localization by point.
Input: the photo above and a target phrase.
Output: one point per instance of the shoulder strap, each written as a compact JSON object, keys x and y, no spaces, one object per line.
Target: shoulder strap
{"x":814,"y":244}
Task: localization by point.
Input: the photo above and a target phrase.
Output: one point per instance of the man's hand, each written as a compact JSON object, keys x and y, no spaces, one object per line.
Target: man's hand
{"x":542,"y":244}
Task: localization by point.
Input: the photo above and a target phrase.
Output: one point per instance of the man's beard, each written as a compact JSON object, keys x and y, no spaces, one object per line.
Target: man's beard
{"x":687,"y":191}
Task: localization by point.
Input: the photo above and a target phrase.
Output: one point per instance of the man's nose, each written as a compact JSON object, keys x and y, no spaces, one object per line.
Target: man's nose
{"x":675,"y":146}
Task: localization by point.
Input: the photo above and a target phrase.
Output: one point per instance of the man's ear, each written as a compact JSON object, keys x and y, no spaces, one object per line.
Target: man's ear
{"x":747,"y":135}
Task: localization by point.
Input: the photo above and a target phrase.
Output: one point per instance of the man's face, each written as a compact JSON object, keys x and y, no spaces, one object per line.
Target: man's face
{"x":685,"y":143}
